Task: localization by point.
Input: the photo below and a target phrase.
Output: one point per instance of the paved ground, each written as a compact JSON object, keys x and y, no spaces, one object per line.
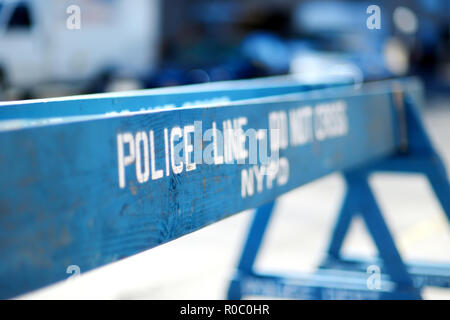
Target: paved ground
{"x":199,"y":265}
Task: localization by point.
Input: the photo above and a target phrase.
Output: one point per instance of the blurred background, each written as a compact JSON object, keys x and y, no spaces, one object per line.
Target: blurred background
{"x":60,"y":47}
{"x":57,"y":47}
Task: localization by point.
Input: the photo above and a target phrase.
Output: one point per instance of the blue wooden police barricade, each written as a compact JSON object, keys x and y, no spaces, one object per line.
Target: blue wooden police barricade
{"x":89,"y":180}
{"x":415,"y":154}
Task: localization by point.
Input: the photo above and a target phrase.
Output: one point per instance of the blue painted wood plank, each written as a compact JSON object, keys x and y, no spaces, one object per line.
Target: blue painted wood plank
{"x":210,"y":93}
{"x":62,"y":202}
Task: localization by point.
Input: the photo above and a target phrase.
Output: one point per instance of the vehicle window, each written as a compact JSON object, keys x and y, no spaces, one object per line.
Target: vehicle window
{"x":20,"y":18}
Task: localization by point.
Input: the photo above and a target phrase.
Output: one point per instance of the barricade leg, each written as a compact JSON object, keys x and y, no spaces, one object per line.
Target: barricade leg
{"x":379,"y":231}
{"x":345,"y":217}
{"x":420,"y":157}
{"x":422,"y":273}
{"x":251,"y":247}
{"x":343,"y":278}
{"x":325,"y":284}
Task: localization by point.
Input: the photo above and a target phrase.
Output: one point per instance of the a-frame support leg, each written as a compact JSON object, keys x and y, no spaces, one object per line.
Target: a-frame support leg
{"x":360,"y":200}
{"x":251,"y":248}
{"x":420,"y":157}
{"x":317,"y":285}
{"x":331,"y":282}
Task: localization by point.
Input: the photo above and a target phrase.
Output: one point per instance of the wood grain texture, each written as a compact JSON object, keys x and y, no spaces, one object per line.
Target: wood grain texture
{"x":61,"y":203}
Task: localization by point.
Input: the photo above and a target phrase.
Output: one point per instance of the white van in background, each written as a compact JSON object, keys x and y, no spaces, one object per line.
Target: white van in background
{"x":38,"y":49}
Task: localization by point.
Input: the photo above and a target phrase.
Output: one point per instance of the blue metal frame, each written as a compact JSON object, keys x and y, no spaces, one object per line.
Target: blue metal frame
{"x":399,"y":280}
